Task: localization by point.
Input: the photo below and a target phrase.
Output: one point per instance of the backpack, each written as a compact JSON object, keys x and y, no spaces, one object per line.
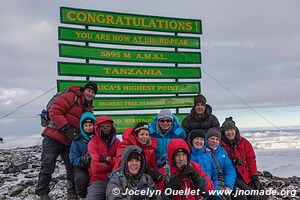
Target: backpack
{"x":45,"y":118}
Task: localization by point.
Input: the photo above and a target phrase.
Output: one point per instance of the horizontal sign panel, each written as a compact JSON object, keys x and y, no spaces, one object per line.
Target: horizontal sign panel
{"x":82,"y":35}
{"x":126,"y":121}
{"x":128,"y":21}
{"x":118,"y":71}
{"x":136,"y":87}
{"x":127,"y":103}
{"x":75,"y":51}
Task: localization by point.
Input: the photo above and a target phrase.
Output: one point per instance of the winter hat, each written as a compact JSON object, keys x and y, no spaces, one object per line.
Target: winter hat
{"x":214,"y":132}
{"x":228,"y":124}
{"x":199,"y":99}
{"x":140,"y":126}
{"x":87,"y":120}
{"x":165,"y":113}
{"x":91,"y":85}
{"x":135,"y":155}
{"x":196,"y":133}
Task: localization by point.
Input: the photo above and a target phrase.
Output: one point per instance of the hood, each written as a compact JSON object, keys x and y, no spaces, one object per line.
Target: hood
{"x":208,"y":112}
{"x":83,"y":117}
{"x":130,"y":136}
{"x":100,"y":120}
{"x":76,"y":89}
{"x":176,"y":127}
{"x":234,"y":141}
{"x":175,"y":144}
{"x":125,"y":154}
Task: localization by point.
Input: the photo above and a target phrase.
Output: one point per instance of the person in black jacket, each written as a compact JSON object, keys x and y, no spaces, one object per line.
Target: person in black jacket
{"x":201,"y":116}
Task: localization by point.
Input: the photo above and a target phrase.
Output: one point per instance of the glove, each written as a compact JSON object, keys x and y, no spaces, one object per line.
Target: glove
{"x":107,"y":160}
{"x":189,"y":171}
{"x":255,"y":182}
{"x":162,"y":160}
{"x":175,"y":182}
{"x":103,"y":159}
{"x":155,"y":174}
{"x":85,"y":160}
{"x":199,"y":181}
{"x":70,"y":132}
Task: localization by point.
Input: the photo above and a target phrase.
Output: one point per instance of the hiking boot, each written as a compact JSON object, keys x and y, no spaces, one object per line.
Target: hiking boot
{"x":44,"y":197}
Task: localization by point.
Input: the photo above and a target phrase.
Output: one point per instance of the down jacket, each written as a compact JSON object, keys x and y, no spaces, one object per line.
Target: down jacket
{"x":79,"y":147}
{"x":123,"y":180}
{"x":62,"y":112}
{"x":192,"y":122}
{"x":207,"y":185}
{"x":129,"y":138}
{"x":176,"y":131}
{"x":97,"y":148}
{"x":241,"y":148}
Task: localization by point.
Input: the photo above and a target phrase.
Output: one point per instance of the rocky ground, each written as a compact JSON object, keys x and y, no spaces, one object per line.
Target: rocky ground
{"x":19,"y":170}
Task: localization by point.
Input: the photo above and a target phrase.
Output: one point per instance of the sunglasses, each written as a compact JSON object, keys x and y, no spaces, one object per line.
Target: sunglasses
{"x":165,"y":120}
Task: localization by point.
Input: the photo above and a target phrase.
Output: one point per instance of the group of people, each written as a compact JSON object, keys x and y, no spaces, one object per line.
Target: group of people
{"x":163,"y":155}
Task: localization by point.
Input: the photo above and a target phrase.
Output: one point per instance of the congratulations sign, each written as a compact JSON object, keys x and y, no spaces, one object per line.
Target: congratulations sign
{"x":123,"y":71}
{"x":129,"y":21}
{"x":106,"y":37}
{"x":75,"y":51}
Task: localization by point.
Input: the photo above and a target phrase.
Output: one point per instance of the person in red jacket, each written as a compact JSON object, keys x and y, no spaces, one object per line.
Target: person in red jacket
{"x":183,"y":174}
{"x":63,"y":128}
{"x":103,"y":149}
{"x":242,"y":155}
{"x":140,"y":136}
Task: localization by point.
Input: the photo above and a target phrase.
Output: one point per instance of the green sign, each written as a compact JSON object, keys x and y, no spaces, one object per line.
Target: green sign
{"x":126,"y":121}
{"x":131,"y":103}
{"x":75,"y":51}
{"x":83,"y":35}
{"x":136,"y":87}
{"x":128,"y":21}
{"x":119,"y":71}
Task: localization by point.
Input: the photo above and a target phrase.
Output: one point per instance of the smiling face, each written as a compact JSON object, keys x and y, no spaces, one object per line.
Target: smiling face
{"x":165,"y":124}
{"x":134,"y":166}
{"x":198,"y":142}
{"x":88,"y":128}
{"x":143,"y":136}
{"x":230,"y":134}
{"x":88,"y":94}
{"x":213,"y":142}
{"x":200,"y":108}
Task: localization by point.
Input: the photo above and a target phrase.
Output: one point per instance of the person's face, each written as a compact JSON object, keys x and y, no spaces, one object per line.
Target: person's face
{"x":134,"y":166}
{"x":230,"y":134}
{"x":198,"y":142}
{"x":105,"y":129}
{"x":165,"y":124}
{"x":213,"y":142}
{"x":200,"y":108}
{"x":180,"y":159}
{"x":88,"y":94}
{"x":143,"y":136}
{"x":88,"y":128}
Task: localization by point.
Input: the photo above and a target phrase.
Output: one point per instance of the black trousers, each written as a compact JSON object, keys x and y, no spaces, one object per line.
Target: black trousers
{"x":242,"y":185}
{"x":51,"y":149}
{"x":81,"y":179}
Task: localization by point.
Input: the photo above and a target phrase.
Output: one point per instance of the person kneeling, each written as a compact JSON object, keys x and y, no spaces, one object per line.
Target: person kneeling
{"x":129,"y":181}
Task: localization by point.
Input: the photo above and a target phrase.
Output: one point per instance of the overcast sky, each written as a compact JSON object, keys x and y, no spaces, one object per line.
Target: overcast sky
{"x":251,"y":48}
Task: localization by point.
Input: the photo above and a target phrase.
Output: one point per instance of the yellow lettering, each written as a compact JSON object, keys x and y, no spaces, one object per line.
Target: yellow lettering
{"x":69,"y":17}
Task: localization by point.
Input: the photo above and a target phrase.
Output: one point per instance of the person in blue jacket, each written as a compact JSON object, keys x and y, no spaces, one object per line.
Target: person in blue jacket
{"x":196,"y":141}
{"x":226,"y":170}
{"x":164,"y":127}
{"x":79,"y":156}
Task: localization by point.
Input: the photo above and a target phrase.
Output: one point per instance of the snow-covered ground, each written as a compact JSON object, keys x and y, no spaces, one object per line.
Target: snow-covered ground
{"x":277,"y":151}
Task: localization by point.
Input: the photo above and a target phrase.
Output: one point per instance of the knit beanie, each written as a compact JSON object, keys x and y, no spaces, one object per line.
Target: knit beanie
{"x":214,"y":132}
{"x":134,"y":155}
{"x":165,"y":113}
{"x":87,"y":120}
{"x":199,"y":99}
{"x":228,"y":124}
{"x":140,"y":126}
{"x":91,"y":85}
{"x":196,"y":133}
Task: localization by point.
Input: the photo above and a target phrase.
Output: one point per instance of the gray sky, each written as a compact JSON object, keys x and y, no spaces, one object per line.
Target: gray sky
{"x":251,"y":47}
